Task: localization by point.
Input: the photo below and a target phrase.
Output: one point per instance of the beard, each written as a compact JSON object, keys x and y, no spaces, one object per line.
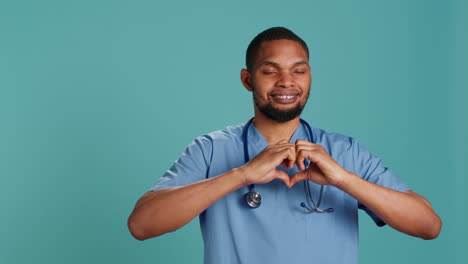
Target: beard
{"x":276,"y":114}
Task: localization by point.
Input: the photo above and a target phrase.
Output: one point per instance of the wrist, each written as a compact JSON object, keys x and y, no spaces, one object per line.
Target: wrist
{"x":241,"y":175}
{"x":345,"y":180}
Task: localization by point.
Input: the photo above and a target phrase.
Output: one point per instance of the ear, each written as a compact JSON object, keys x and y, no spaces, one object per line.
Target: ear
{"x":246,"y":79}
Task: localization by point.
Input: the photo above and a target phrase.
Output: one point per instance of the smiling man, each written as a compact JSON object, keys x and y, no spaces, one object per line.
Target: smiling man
{"x":275,"y":189}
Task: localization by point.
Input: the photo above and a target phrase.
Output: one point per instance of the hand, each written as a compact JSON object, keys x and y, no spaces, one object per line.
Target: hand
{"x":323,"y":169}
{"x":262,"y":168}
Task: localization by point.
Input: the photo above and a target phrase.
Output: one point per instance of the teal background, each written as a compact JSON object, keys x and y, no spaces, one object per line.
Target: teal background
{"x":98,"y":98}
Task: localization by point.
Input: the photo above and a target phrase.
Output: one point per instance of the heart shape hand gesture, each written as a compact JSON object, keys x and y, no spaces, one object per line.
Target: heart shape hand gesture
{"x":323,"y":169}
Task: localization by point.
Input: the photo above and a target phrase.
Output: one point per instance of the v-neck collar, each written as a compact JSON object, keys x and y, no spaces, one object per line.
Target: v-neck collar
{"x":257,"y":143}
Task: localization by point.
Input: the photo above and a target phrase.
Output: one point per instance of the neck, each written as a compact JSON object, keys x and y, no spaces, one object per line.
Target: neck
{"x":274,"y":131}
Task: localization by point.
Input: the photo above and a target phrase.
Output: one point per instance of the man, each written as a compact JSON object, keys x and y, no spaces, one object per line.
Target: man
{"x":295,"y":223}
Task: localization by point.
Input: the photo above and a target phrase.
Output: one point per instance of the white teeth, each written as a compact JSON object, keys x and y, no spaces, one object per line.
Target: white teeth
{"x":285,"y":96}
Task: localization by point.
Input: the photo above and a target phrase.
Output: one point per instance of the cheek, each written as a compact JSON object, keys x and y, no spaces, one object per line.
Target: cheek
{"x":259,"y":95}
{"x":306,"y":81}
{"x":306,"y":86}
{"x":260,"y":91}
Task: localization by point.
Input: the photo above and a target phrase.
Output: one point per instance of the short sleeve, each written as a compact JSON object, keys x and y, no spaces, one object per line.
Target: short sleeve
{"x":370,"y":168}
{"x":192,"y":165}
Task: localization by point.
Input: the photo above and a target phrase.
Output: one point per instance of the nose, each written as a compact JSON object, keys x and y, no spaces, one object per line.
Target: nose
{"x":286,"y":80}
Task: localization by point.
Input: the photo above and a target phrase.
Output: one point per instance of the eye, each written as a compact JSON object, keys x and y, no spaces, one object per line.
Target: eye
{"x":268,"y":72}
{"x":299,"y":71}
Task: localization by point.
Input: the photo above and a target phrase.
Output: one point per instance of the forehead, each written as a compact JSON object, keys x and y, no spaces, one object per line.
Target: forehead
{"x":282,"y":51}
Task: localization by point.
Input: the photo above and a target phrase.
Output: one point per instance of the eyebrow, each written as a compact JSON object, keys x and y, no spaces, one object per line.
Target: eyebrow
{"x":267,"y":63}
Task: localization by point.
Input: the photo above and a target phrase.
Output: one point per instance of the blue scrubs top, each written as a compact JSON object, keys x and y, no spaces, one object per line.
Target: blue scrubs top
{"x":280,"y":230}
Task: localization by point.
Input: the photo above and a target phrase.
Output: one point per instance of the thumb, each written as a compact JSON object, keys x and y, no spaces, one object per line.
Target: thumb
{"x":300,"y":176}
{"x":283,"y":176}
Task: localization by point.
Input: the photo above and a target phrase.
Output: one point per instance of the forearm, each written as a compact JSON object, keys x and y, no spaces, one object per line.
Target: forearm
{"x":407,"y":212}
{"x":167,"y":210}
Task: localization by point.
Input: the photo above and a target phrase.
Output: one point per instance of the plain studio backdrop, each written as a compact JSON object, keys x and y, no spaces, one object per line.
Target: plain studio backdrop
{"x":98,"y":98}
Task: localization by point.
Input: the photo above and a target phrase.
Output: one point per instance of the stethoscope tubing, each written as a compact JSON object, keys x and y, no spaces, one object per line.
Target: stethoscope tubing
{"x":253,"y":198}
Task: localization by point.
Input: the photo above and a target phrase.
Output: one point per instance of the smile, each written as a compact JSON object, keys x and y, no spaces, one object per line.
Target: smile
{"x":285,"y":96}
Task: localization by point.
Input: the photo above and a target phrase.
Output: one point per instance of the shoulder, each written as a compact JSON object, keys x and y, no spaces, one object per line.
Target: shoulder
{"x":230,"y":134}
{"x":332,"y":140}
{"x":343,"y":147}
{"x":219,"y":140}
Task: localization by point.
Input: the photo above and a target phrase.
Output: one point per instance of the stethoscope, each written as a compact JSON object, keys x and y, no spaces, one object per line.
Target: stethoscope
{"x":254,"y":199}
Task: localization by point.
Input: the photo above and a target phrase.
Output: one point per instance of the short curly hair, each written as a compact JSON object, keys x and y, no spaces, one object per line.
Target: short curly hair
{"x":274,"y":33}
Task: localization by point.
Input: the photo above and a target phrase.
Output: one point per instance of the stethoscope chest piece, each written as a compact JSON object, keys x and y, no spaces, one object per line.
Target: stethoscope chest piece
{"x":253,"y":198}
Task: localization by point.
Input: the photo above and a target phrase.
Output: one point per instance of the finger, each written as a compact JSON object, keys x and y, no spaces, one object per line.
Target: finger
{"x":291,"y":156}
{"x":282,"y":145}
{"x":291,"y":164}
{"x":303,"y":142}
{"x":286,"y":164}
{"x":300,"y":176}
{"x":312,"y":153}
{"x":307,"y":146}
{"x":311,"y":146}
{"x":282,"y":141}
{"x":281,"y":155}
{"x":287,"y":154}
{"x":301,"y":154}
{"x":300,"y":157}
